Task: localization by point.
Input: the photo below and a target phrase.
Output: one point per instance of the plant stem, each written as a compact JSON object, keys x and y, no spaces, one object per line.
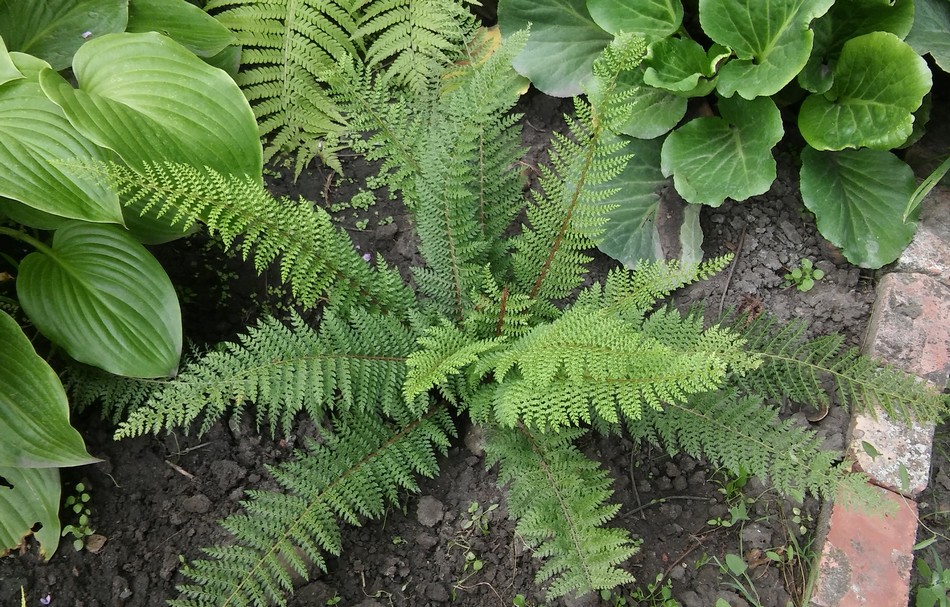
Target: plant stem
{"x":24,"y":237}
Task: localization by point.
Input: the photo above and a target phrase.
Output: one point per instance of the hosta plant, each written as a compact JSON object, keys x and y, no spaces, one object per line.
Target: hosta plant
{"x":501,"y":326}
{"x":87,"y":284}
{"x":848,"y":76}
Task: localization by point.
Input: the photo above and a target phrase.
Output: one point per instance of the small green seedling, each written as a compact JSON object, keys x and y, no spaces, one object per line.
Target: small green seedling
{"x":78,"y":503}
{"x":478,"y":518}
{"x":804,"y":276}
{"x":932,"y":590}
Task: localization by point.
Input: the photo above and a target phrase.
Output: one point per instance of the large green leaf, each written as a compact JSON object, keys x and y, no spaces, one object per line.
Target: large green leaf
{"x":931,"y":31}
{"x":563,"y":45}
{"x":846,"y":20}
{"x":681,"y":66}
{"x":55,"y":29}
{"x":34,"y":137}
{"x":34,"y":414}
{"x":879,"y":81}
{"x":184,"y":23}
{"x":858,"y":198}
{"x":33,"y":498}
{"x":148,"y":98}
{"x":102,"y":297}
{"x":771,"y":41}
{"x":653,"y":19}
{"x":653,"y":112}
{"x":713,"y":158}
{"x":8,"y":70}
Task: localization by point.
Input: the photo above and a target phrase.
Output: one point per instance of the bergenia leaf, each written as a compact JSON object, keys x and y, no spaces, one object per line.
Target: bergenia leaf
{"x":929,"y":34}
{"x":563,"y":44}
{"x":652,"y":19}
{"x":771,"y":41}
{"x":102,"y":297}
{"x":653,"y":111}
{"x":879,"y":81}
{"x":858,"y":198}
{"x":34,"y":414}
{"x":679,"y":65}
{"x":714,"y":158}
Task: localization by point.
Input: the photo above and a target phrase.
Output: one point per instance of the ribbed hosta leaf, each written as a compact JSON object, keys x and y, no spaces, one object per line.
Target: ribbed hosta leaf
{"x":183,"y":22}
{"x":33,"y":498}
{"x":150,"y":99}
{"x":102,"y":297}
{"x":34,"y":414}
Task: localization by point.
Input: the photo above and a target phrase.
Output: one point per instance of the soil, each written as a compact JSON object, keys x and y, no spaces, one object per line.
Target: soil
{"x":157,"y":499}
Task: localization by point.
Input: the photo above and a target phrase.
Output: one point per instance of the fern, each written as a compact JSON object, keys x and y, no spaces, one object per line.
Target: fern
{"x":115,"y":396}
{"x":356,"y":363}
{"x":798,"y":368}
{"x":413,"y":39}
{"x":286,"y":46}
{"x":559,"y":497}
{"x":316,"y":259}
{"x":356,"y":472}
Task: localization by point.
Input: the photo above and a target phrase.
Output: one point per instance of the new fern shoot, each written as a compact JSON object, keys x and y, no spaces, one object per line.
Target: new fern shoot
{"x":501,"y":324}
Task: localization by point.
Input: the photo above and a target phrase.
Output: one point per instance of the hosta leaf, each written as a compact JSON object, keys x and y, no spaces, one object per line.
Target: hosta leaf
{"x":8,"y":71}
{"x":858,"y":198}
{"x":564,"y":42}
{"x":183,"y":22}
{"x":34,"y":414}
{"x":679,"y":65}
{"x":879,"y":81}
{"x":846,"y":20}
{"x":653,"y":111}
{"x":631,"y":234}
{"x":771,"y":41}
{"x":33,"y":498}
{"x":653,"y":19}
{"x":102,"y":297}
{"x":150,"y":99}
{"x":34,"y":137}
{"x":929,"y":34}
{"x":55,"y":29}
{"x":713,"y":158}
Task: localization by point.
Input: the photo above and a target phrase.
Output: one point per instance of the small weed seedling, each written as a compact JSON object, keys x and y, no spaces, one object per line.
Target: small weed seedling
{"x":935,"y":581}
{"x":478,"y":518}
{"x":658,"y":593}
{"x":804,"y":276}
{"x":78,"y":503}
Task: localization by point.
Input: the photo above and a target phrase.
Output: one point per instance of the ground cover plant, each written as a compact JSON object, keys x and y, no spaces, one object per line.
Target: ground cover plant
{"x":847,"y":78}
{"x":497,"y":326}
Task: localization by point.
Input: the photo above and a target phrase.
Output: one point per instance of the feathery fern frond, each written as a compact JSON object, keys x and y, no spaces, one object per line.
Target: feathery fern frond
{"x":498,"y":312}
{"x":796,"y":367}
{"x":286,"y":46}
{"x":114,"y":395}
{"x":357,"y":472}
{"x":356,"y":363}
{"x":591,"y":365}
{"x":741,"y":433}
{"x":559,"y":498}
{"x":316,"y":258}
{"x":414,"y":40}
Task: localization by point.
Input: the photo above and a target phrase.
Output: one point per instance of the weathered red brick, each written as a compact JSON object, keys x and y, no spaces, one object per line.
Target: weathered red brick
{"x":929,"y":252}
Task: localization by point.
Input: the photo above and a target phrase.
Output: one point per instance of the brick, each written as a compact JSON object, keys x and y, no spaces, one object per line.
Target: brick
{"x":929,"y":252}
{"x":866,"y":557}
{"x":902,"y":459}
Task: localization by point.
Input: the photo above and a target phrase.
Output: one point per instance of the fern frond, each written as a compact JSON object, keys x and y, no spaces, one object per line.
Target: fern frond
{"x":286,"y":47}
{"x":414,"y":40}
{"x":356,"y":472}
{"x":797,"y":368}
{"x":499,"y":312}
{"x":559,"y":497}
{"x":114,"y":395}
{"x":591,"y":365}
{"x":741,"y":433}
{"x":316,"y":258}
{"x":355,"y":363}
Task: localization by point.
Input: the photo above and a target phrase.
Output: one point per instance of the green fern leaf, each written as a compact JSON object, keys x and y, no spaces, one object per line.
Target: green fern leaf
{"x":559,"y":498}
{"x":357,"y":363}
{"x":356,"y":472}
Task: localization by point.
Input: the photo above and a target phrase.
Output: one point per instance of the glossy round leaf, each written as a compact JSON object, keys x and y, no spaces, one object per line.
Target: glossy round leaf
{"x":149,"y":99}
{"x":714,"y":158}
{"x":879,"y":81}
{"x":653,"y":19}
{"x":858,"y":198}
{"x":653,"y":112}
{"x":55,"y":29}
{"x":562,"y":47}
{"x":771,"y":41}
{"x":33,"y":498}
{"x":34,"y":414}
{"x":930,"y":31}
{"x":35,"y":137}
{"x":102,"y":297}
{"x":679,"y":66}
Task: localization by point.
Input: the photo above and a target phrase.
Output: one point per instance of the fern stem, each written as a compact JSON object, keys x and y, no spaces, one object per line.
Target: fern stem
{"x":502,"y":307}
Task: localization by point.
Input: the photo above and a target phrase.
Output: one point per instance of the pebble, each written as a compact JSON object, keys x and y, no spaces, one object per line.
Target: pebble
{"x":429,"y":511}
{"x":197,"y":504}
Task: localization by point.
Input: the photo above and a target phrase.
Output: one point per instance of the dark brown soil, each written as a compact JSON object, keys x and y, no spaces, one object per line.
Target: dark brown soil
{"x":157,"y":499}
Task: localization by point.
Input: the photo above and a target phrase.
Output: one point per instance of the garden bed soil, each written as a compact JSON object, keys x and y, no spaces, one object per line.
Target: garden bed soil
{"x":157,"y":499}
